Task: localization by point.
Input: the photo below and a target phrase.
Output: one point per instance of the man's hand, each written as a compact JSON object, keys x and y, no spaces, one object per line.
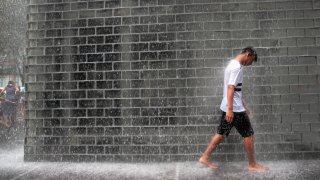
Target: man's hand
{"x":229,"y":116}
{"x":230,"y":94}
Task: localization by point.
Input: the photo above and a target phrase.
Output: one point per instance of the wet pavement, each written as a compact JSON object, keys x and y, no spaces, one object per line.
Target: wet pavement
{"x":12,"y":167}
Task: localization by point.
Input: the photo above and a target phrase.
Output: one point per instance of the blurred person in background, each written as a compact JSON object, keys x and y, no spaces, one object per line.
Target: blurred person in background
{"x":9,"y":104}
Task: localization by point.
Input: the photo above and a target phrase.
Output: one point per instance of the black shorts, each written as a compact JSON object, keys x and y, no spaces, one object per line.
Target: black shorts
{"x":241,"y":121}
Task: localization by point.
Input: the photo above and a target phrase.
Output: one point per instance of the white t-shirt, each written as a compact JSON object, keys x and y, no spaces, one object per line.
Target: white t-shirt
{"x":233,"y":75}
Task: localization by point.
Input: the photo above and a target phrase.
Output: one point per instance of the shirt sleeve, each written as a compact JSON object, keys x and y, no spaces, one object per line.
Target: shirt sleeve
{"x":234,"y":77}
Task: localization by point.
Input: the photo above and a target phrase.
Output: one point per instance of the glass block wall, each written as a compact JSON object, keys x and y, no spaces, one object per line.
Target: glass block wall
{"x":141,"y":80}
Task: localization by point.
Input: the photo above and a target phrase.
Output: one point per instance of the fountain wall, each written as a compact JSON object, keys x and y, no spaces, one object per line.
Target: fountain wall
{"x":141,"y":80}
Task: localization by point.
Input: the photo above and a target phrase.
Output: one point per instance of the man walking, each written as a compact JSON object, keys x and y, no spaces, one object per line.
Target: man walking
{"x":234,"y":111}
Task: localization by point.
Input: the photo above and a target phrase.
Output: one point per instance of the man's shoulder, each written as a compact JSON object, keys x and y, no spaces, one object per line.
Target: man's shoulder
{"x":233,"y":65}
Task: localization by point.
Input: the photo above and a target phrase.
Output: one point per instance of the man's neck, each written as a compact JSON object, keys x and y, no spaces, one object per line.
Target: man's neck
{"x":239,"y":59}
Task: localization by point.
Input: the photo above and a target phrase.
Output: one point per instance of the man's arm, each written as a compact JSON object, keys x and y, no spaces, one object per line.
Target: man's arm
{"x":4,"y":89}
{"x":230,"y":94}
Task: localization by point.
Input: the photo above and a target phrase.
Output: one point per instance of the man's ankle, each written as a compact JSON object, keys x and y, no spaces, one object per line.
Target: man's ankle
{"x":204,"y":156}
{"x":251,"y":164}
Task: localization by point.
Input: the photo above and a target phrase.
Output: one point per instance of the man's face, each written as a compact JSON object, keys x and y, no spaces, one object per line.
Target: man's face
{"x":248,"y":60}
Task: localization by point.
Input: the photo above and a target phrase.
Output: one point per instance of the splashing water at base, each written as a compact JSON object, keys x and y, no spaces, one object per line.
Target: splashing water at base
{"x":12,"y":167}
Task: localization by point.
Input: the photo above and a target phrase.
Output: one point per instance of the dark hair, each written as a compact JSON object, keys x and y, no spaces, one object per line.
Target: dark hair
{"x":11,"y":82}
{"x":251,"y":52}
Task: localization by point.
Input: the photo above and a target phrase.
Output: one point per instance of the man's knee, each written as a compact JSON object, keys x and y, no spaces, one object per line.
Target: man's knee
{"x":248,"y":138}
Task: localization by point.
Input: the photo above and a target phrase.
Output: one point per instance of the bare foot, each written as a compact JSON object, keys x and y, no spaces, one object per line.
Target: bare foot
{"x":206,"y":162}
{"x":4,"y":123}
{"x":8,"y":123}
{"x":257,"y":167}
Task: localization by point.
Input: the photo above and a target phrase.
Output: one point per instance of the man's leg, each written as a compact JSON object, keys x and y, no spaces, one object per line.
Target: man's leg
{"x":249,"y":145}
{"x":12,"y":118}
{"x":205,"y":158}
{"x":2,"y":120}
{"x":6,"y":120}
{"x":9,"y":123}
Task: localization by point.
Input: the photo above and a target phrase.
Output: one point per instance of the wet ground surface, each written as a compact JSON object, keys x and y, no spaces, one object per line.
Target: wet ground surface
{"x":12,"y":167}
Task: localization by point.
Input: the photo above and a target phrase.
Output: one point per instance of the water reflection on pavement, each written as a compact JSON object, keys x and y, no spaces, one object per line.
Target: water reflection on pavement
{"x":12,"y":167}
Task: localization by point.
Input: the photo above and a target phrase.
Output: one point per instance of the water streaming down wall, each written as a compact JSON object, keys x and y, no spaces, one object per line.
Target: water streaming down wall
{"x":141,"y":80}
